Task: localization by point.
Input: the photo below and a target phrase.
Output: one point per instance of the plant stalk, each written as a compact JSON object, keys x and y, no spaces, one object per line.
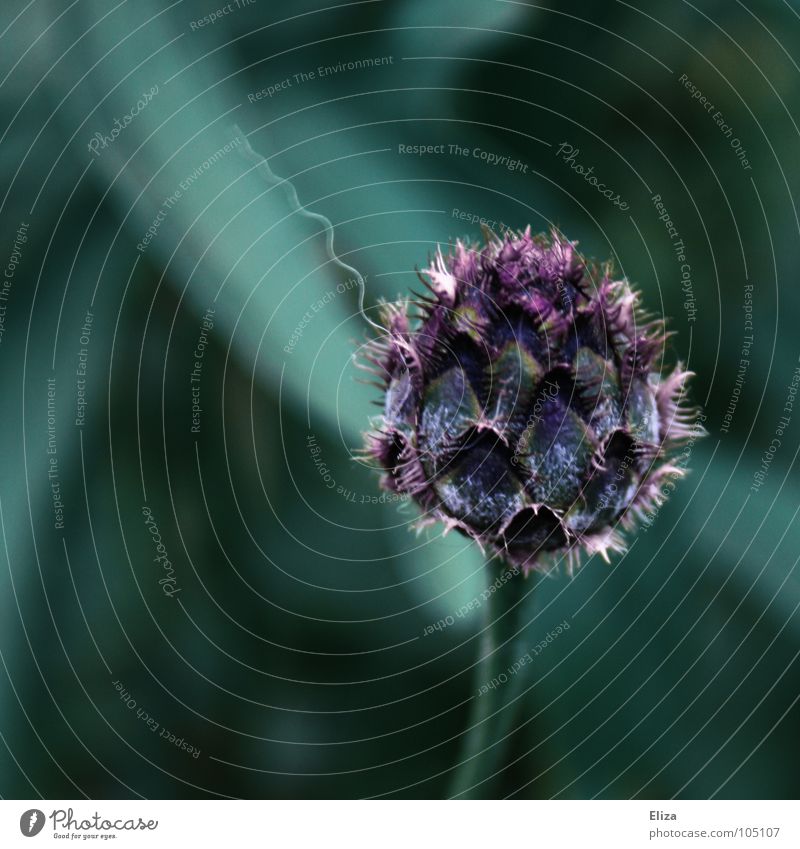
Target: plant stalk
{"x":502,"y":675}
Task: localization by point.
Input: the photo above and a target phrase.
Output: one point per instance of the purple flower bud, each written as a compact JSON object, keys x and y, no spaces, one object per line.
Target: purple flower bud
{"x":522,"y":401}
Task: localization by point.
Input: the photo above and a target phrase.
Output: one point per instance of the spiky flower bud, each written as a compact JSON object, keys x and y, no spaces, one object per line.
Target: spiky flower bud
{"x":523,"y":403}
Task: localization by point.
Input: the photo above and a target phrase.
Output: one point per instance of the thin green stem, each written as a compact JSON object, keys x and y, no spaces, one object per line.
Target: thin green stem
{"x":502,"y":674}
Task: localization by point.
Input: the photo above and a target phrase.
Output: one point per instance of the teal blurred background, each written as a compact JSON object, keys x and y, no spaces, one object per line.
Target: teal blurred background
{"x":286,"y":640}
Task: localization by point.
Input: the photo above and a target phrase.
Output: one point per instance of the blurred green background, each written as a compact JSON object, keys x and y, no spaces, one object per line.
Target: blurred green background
{"x":291,"y":651}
